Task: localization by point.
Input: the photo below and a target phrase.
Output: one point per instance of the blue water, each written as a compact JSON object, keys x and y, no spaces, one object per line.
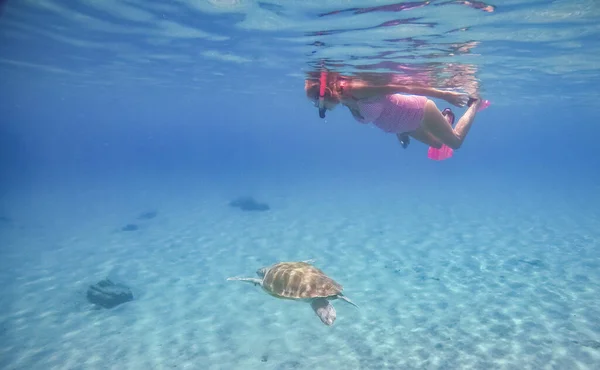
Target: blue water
{"x":114,"y":110}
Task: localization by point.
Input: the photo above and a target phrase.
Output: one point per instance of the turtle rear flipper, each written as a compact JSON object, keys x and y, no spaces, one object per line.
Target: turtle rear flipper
{"x":254,"y":281}
{"x":324,"y":310}
{"x":344,"y":298}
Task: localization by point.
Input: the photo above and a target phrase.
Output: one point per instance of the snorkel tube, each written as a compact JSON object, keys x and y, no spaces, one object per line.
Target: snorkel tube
{"x":322,"y":85}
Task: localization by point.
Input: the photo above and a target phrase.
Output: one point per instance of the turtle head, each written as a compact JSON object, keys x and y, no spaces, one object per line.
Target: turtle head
{"x":261,"y":272}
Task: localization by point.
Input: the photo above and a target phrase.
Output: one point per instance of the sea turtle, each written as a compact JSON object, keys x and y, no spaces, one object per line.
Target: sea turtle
{"x":300,"y":281}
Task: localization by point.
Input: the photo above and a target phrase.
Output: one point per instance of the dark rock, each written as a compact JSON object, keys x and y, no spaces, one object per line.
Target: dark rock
{"x":147,"y":215}
{"x":130,"y":227}
{"x":249,"y":204}
{"x":264,"y":358}
{"x":107,"y":294}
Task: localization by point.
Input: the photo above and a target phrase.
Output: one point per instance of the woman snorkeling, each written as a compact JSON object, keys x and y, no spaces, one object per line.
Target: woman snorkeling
{"x":400,"y":109}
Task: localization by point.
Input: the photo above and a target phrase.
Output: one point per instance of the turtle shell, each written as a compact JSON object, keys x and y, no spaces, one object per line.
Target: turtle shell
{"x":299,"y":280}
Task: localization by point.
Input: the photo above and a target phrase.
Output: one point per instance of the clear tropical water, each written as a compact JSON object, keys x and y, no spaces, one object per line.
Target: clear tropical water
{"x":128,"y":127}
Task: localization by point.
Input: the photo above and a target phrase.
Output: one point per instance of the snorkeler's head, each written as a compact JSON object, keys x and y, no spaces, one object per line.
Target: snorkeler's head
{"x":319,"y":92}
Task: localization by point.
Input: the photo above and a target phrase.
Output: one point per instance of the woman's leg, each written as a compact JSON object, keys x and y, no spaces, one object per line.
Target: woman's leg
{"x":437,"y":125}
{"x":426,"y":137}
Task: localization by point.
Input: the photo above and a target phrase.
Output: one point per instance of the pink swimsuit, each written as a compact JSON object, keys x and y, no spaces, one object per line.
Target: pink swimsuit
{"x":394,"y":113}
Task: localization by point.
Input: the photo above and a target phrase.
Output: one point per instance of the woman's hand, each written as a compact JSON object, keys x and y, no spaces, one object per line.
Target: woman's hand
{"x":455,"y":98}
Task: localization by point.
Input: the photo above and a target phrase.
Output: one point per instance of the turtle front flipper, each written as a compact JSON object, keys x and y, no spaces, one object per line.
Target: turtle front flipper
{"x":254,"y":281}
{"x":324,"y":310}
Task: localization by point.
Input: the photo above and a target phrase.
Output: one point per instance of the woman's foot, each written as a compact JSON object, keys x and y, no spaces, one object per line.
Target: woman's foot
{"x":474,"y":101}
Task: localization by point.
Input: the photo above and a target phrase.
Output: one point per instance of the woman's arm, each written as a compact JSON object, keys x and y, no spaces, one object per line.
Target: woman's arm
{"x":361,"y":90}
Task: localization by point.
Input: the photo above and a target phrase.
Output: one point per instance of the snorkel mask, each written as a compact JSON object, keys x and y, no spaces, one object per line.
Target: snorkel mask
{"x":321,"y":101}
